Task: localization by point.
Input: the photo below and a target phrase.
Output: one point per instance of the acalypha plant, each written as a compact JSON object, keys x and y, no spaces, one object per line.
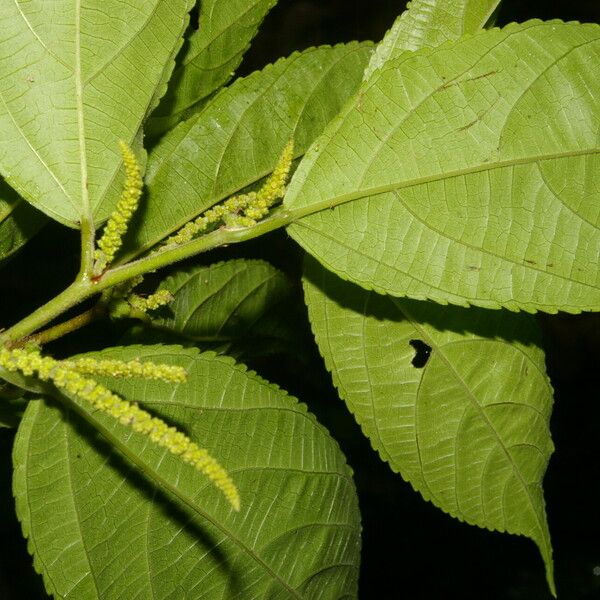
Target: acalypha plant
{"x":443,"y":186}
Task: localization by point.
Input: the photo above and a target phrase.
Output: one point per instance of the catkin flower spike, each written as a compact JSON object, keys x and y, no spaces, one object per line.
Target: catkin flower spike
{"x":212,"y":215}
{"x":151,"y":302}
{"x":131,"y":368}
{"x":117,"y":224}
{"x":243,"y":210}
{"x":127,"y":413}
{"x":274,"y":188}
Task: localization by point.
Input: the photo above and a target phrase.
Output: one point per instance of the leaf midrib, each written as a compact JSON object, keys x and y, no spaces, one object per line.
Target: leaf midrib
{"x":85,"y":199}
{"x":301,"y":212}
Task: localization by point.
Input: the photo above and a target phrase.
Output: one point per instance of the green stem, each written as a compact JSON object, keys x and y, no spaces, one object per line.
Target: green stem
{"x":77,"y":292}
{"x":83,"y":287}
{"x":87,"y":250}
{"x":57,"y":331}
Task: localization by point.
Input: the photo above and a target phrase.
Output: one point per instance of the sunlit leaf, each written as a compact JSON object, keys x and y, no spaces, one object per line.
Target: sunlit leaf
{"x":238,"y":138}
{"x":76,"y":77}
{"x":465,"y":174}
{"x":429,"y":23}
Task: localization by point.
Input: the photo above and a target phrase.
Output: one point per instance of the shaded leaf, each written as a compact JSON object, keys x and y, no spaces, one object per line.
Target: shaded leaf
{"x":466,"y":425}
{"x":117,"y":536}
{"x":209,"y":58}
{"x":238,"y":138}
{"x":237,"y":307}
{"x":464,"y":174}
{"x":74,"y":79}
{"x":12,"y":405}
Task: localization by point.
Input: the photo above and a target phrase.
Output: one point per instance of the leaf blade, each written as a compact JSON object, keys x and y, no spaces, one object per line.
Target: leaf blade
{"x":469,"y":428}
{"x":236,"y":140}
{"x":428,"y":24}
{"x":72,"y":86}
{"x":19,"y":222}
{"x":210,"y":551}
{"x":212,"y":54}
{"x":237,"y":307}
{"x":412,"y":194}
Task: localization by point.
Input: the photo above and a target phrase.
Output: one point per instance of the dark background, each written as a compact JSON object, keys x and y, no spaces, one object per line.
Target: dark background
{"x":410,"y":548}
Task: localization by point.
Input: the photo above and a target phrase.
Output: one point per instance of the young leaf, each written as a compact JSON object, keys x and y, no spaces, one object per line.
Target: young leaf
{"x":75,"y":79}
{"x":116,"y":535}
{"x":210,"y":57}
{"x":457,"y":401}
{"x":19,"y":222}
{"x":239,"y":137}
{"x":464,"y":175}
{"x":237,"y":306}
{"x":430,"y":23}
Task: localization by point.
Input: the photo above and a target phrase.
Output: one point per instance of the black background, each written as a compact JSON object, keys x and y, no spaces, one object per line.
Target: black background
{"x":410,"y":548}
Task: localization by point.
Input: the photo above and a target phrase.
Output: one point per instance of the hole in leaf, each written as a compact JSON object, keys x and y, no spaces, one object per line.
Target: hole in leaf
{"x":422,"y":352}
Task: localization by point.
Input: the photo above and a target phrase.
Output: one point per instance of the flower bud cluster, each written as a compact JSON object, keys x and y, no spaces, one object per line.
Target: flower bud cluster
{"x":274,"y":187}
{"x":117,"y":224}
{"x":151,"y":302}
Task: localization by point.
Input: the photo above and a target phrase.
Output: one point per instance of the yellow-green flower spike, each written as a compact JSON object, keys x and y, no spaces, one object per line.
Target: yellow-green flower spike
{"x":115,"y":229}
{"x":132,"y":368}
{"x":152,"y":302}
{"x":243,"y":210}
{"x":211,"y":216}
{"x":127,"y":413}
{"x":274,"y":188}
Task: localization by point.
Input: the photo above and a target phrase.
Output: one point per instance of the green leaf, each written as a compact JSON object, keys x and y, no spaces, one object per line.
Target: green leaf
{"x":97,"y":529}
{"x":238,"y":307}
{"x":469,"y":428}
{"x":74,"y":79}
{"x":463,"y":174}
{"x":238,"y":138}
{"x":209,"y":57}
{"x":428,"y":24}
{"x":19,"y":222}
